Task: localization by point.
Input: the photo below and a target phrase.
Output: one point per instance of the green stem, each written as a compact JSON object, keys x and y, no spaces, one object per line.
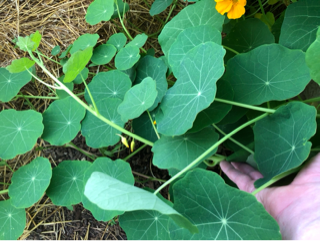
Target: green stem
{"x":135,"y":152}
{"x":233,"y":140}
{"x":4,"y":191}
{"x":91,"y":156}
{"x":171,"y":10}
{"x":207,"y":152}
{"x":262,"y":9}
{"x":275,"y":179}
{"x":3,"y":183}
{"x":89,"y":92}
{"x":315,"y":149}
{"x":230,"y":49}
{"x":48,"y":58}
{"x":154,"y":127}
{"x":311,"y":100}
{"x":215,"y":159}
{"x":88,"y":108}
{"x":38,"y":97}
{"x":256,"y":11}
{"x":270,"y":111}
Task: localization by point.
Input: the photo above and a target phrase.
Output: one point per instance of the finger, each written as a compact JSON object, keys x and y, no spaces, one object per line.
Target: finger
{"x":243,"y":181}
{"x":310,"y":172}
{"x":247,"y":169}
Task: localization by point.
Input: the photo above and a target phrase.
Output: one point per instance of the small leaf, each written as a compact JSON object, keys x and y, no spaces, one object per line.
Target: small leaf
{"x":312,"y":58}
{"x":138,"y":99}
{"x":97,"y":133}
{"x":36,"y":38}
{"x":219,"y":211}
{"x":143,"y":126}
{"x":257,"y":76}
{"x":62,"y":121}
{"x":155,"y":68}
{"x":65,"y":53}
{"x":76,"y":64}
{"x":20,"y":65}
{"x":83,"y":42}
{"x":103,"y":54}
{"x":127,"y":57}
{"x":56,"y":50}
{"x":110,"y":84}
{"x":67,"y":185}
{"x":29,"y":183}
{"x":118,"y":40}
{"x":138,"y":40}
{"x":111,"y":194}
{"x":159,"y":6}
{"x":10,"y":84}
{"x":82,"y":75}
{"x":118,"y":169}
{"x":19,"y":131}
{"x":99,"y":10}
{"x":179,"y":151}
{"x":25,"y":43}
{"x":281,"y":139}
{"x":13,"y":221}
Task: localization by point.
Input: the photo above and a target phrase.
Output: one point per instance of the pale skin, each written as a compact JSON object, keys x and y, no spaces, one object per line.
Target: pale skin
{"x":296,"y":207}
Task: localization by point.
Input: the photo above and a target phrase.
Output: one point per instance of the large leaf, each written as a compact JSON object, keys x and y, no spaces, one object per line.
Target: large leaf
{"x":200,"y":13}
{"x":127,"y":57}
{"x":118,"y":169}
{"x":187,"y":40}
{"x":99,"y":10}
{"x":67,"y":185}
{"x":155,"y":68}
{"x":29,"y":183}
{"x":219,"y":211}
{"x":247,"y":35}
{"x":10,"y":84}
{"x":98,"y":133}
{"x":159,"y":6}
{"x":19,"y":65}
{"x":194,"y":91}
{"x":312,"y":58}
{"x":111,"y":194}
{"x":281,"y":139}
{"x":12,"y":221}
{"x":179,"y":151}
{"x":269,"y":72}
{"x":118,"y":40}
{"x":62,"y":121}
{"x":143,"y":126}
{"x":76,"y":64}
{"x":138,"y":99}
{"x":300,"y":24}
{"x":110,"y":84}
{"x":103,"y":54}
{"x":84,"y":41}
{"x":19,"y":131}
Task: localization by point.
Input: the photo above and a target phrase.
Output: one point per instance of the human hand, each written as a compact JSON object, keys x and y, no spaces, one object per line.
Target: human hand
{"x":295,"y":207}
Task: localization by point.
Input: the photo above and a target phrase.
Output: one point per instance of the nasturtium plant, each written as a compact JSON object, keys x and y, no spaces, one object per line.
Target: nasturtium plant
{"x":312,"y":60}
{"x":83,"y":75}
{"x":127,"y":57}
{"x":138,"y":40}
{"x":29,"y":183}
{"x":99,"y":10}
{"x":103,"y":54}
{"x":83,"y":42}
{"x":118,"y":40}
{"x":144,"y":127}
{"x":20,"y":65}
{"x":56,"y":50}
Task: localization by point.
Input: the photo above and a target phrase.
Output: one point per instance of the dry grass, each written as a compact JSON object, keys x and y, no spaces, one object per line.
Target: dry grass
{"x":60,"y":23}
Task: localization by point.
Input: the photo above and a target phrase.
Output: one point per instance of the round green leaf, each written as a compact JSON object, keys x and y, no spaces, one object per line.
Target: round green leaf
{"x":312,"y":58}
{"x":56,"y":50}
{"x":187,"y":40}
{"x":143,"y":126}
{"x":19,"y":65}
{"x":97,"y":133}
{"x":29,"y":183}
{"x":110,"y":84}
{"x":194,"y":91}
{"x":138,"y":99}
{"x":127,"y":57}
{"x":99,"y":10}
{"x":118,"y":169}
{"x":62,"y":121}
{"x":36,"y":38}
{"x":219,"y":211}
{"x":10,"y":84}
{"x":281,"y":139}
{"x":179,"y":151}
{"x":65,"y":53}
{"x":159,"y":6}
{"x":83,"y":42}
{"x":19,"y":131}
{"x":269,"y":72}
{"x":247,"y":35}
{"x":300,"y":24}
{"x":155,"y":68}
{"x":138,"y":40}
{"x":67,"y":185}
{"x":25,"y":43}
{"x":200,"y":13}
{"x":12,"y":220}
{"x":103,"y":54}
{"x":118,"y":40}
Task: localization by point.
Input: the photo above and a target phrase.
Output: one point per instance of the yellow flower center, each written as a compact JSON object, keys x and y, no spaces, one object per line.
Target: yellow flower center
{"x":235,"y":1}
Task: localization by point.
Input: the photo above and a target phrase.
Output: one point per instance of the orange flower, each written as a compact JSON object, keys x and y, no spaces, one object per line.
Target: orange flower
{"x":234,"y":8}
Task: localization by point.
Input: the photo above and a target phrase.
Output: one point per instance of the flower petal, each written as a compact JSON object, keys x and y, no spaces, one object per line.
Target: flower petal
{"x":236,"y":11}
{"x":225,"y":6}
{"x":242,"y":2}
